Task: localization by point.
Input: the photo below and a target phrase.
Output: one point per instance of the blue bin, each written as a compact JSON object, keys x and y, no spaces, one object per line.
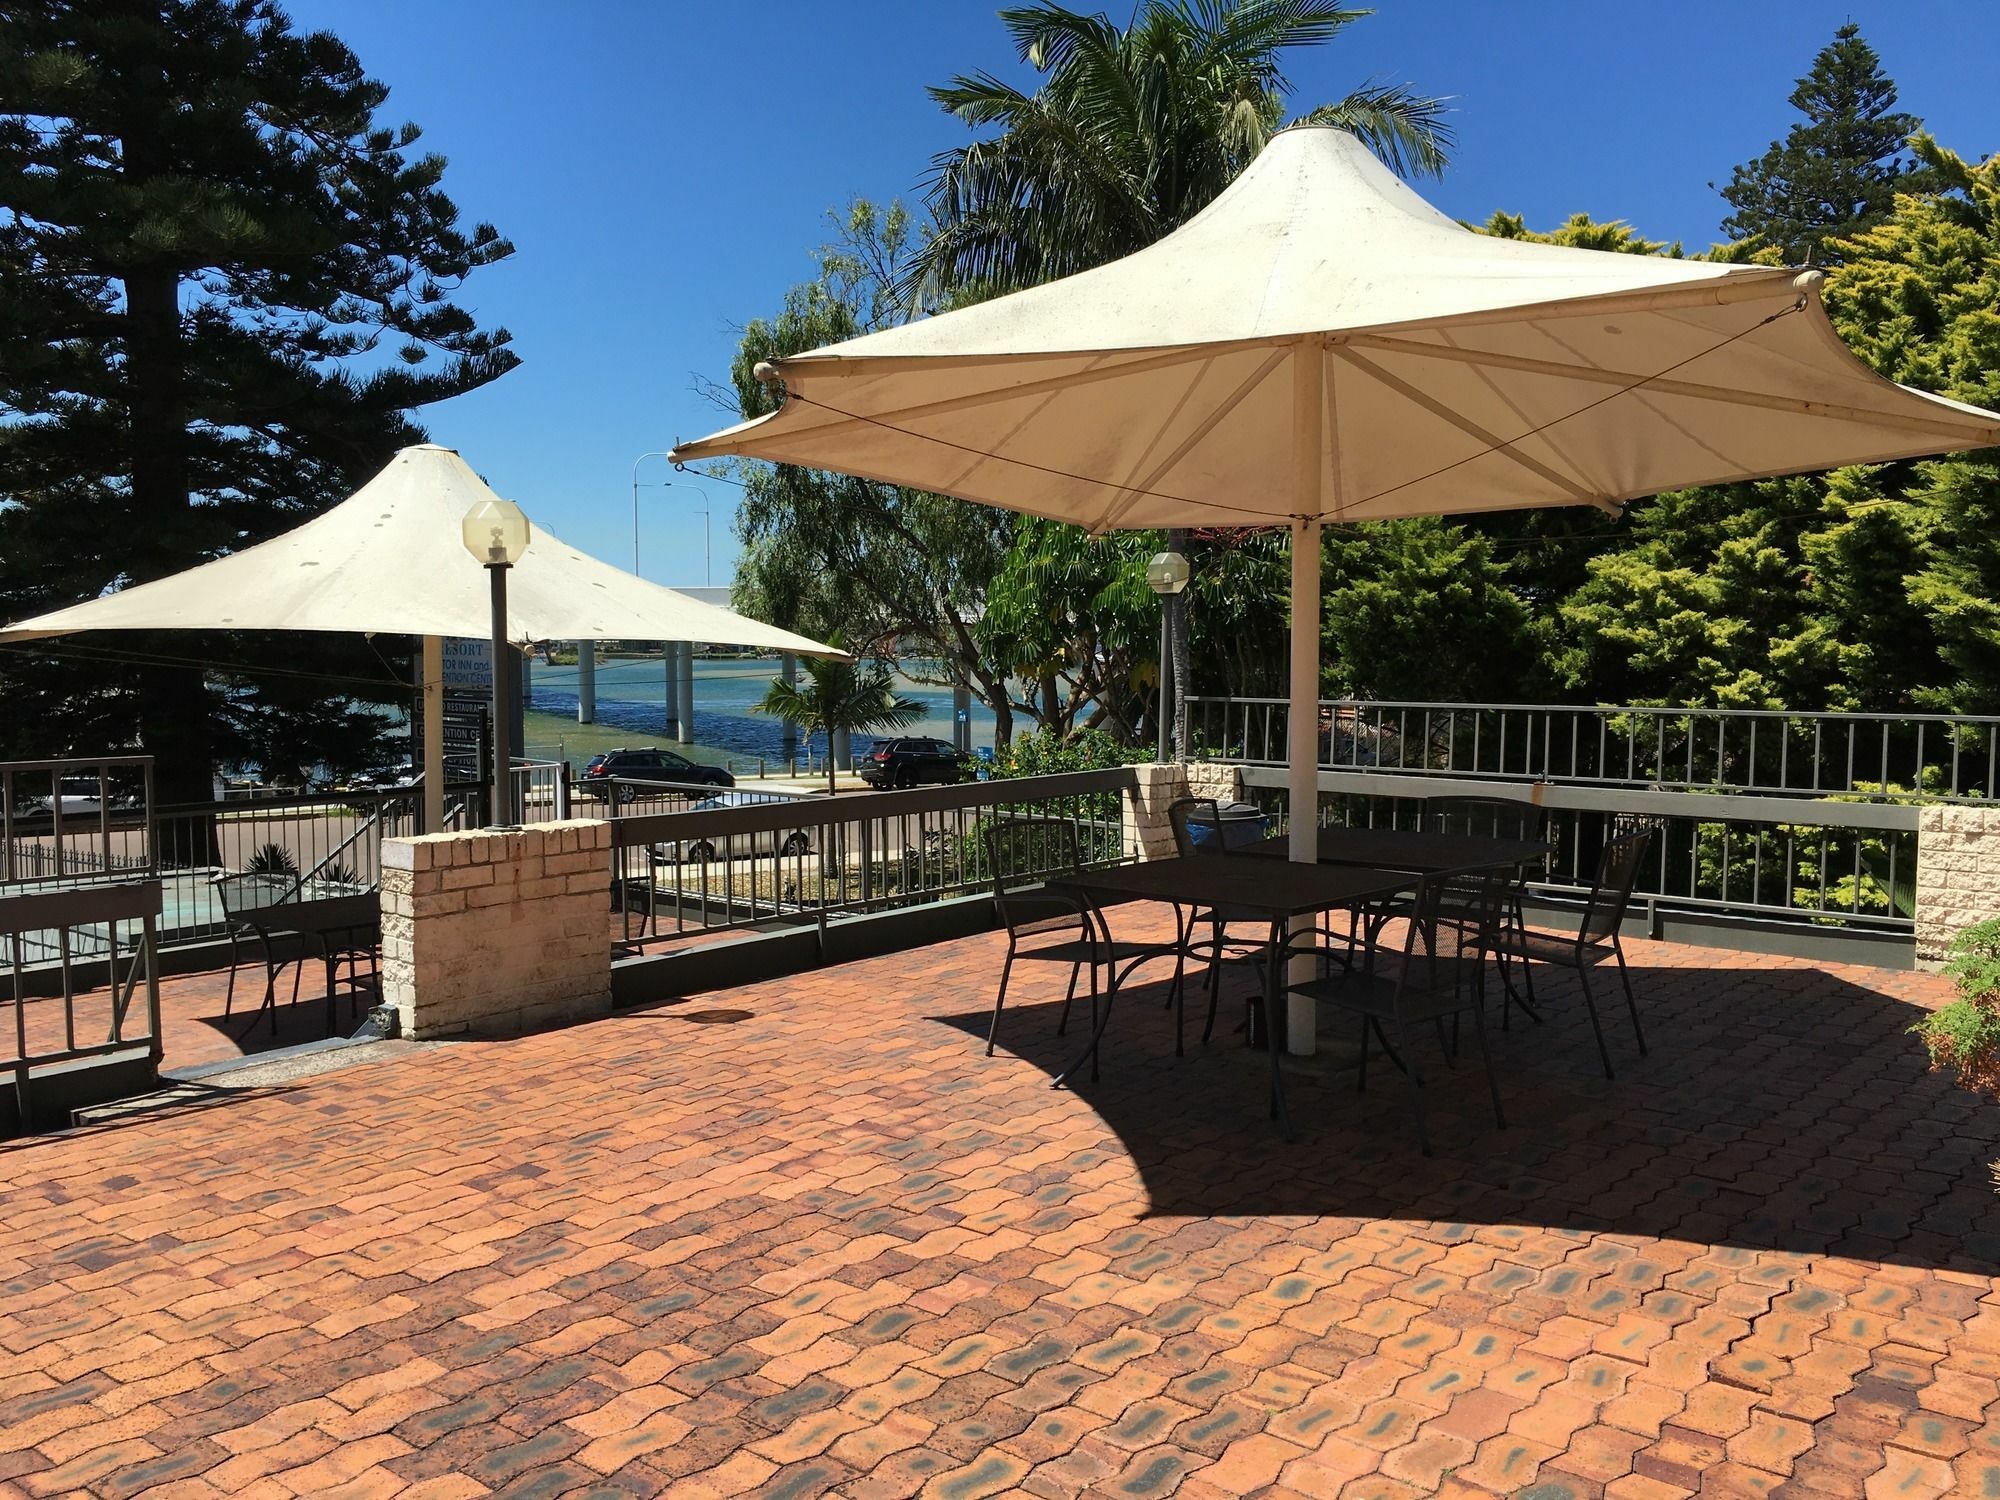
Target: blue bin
{"x":1242,"y":824}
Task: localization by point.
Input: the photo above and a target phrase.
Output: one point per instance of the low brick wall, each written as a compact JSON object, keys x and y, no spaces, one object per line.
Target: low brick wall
{"x":490,"y":933}
{"x":1958,"y":875}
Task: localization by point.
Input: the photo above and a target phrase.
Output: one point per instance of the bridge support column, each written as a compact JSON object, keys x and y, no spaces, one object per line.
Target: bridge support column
{"x":684,"y":701}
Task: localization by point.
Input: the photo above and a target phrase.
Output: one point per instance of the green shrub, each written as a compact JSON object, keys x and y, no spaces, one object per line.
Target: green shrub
{"x":1965,"y":1034}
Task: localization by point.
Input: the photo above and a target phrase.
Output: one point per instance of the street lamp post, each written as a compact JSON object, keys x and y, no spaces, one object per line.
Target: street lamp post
{"x":707,"y":556}
{"x":496,"y":533}
{"x":1166,"y":575}
{"x":661,"y":453}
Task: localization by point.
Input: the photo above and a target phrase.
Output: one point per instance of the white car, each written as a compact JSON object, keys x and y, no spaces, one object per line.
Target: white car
{"x":82,"y":796}
{"x":789,"y":842}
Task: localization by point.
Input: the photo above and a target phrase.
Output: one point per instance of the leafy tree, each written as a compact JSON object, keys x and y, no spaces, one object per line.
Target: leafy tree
{"x":1919,"y":298}
{"x":1580,"y":232}
{"x":1075,"y":621}
{"x":1868,"y":588}
{"x":1419,"y":608}
{"x":887,"y":566}
{"x":1131,"y":132}
{"x":1838,"y":170}
{"x":225,"y":287}
{"x":840,"y":695}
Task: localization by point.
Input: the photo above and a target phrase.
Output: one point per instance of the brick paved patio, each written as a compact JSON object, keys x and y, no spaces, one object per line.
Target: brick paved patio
{"x":803,"y":1237}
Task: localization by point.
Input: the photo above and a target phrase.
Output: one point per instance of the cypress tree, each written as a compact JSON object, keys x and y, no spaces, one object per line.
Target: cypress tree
{"x":223,"y":286}
{"x":1838,"y":170}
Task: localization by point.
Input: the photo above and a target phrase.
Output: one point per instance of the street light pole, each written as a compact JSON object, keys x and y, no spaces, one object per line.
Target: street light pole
{"x":496,"y":533}
{"x":502,"y":805}
{"x":661,"y":453}
{"x":707,"y":556}
{"x":1166,"y":575}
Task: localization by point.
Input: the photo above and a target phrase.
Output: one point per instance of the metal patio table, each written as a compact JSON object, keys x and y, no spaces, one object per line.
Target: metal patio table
{"x":1277,"y":890}
{"x":329,"y":927}
{"x":1420,"y":850}
{"x":1426,"y":852}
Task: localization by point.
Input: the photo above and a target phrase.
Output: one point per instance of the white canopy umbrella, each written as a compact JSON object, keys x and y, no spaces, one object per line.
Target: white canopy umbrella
{"x":1319,"y":344}
{"x":390,"y":560}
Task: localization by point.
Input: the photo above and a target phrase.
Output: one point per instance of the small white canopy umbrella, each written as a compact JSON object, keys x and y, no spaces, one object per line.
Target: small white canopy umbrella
{"x":1319,"y":344}
{"x":390,"y":560}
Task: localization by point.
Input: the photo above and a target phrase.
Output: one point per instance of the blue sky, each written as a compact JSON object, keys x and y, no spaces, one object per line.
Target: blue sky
{"x":664,"y":170}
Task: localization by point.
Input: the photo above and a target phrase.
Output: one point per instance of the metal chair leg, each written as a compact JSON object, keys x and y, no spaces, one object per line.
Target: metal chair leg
{"x":1416,"y":1088}
{"x":1486,"y":1061}
{"x":993,"y":1031}
{"x":1214,"y":985}
{"x":1590,"y":1004}
{"x":1624,"y":978}
{"x":1062,"y":1021}
{"x":229,"y":995}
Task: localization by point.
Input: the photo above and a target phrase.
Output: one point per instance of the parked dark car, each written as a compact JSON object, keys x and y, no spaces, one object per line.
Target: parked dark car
{"x":912,"y":762}
{"x":650,"y":766}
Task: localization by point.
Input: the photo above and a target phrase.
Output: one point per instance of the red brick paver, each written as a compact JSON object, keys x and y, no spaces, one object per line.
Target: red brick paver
{"x":811,"y":1240}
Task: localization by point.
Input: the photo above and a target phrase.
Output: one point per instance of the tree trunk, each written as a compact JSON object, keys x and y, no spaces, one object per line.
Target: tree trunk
{"x":173,"y":707}
{"x":1003,"y":722}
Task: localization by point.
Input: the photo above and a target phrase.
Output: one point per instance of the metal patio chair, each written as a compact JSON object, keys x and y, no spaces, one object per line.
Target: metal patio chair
{"x":248,"y":892}
{"x":1045,"y":925}
{"x":1185,"y":816}
{"x":1499,"y":818}
{"x":1596,"y":938}
{"x":1437,"y":971}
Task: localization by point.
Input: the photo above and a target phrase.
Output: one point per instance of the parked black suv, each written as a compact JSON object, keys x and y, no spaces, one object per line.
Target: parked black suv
{"x":901,"y":763}
{"x":647,"y":765}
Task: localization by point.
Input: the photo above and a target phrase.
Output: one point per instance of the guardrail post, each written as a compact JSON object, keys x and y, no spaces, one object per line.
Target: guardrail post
{"x":867,"y":863}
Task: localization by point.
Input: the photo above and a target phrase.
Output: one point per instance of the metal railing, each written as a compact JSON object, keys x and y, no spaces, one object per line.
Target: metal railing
{"x":325,"y":844}
{"x":63,"y":821}
{"x":804,"y":859}
{"x":1814,"y":862}
{"x":630,"y":797}
{"x":106,"y":921}
{"x":1884,"y":757}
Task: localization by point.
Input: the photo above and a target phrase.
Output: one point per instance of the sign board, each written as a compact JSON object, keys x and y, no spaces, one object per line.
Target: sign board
{"x":466,"y":737}
{"x":468,"y":663}
{"x":468,"y":698}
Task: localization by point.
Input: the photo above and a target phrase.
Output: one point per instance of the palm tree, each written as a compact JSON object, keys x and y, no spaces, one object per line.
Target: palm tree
{"x":1132,"y":132}
{"x":840,"y":694}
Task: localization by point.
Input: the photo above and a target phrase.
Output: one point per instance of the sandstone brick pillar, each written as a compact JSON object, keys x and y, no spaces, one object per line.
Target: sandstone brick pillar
{"x":1219,"y":779}
{"x":1958,"y":874}
{"x":489,"y":933}
{"x":1148,"y":834}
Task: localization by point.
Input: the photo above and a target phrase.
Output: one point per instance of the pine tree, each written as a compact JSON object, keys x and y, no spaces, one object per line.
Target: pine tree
{"x":1919,"y":299}
{"x":222,"y":285}
{"x":1838,"y":170}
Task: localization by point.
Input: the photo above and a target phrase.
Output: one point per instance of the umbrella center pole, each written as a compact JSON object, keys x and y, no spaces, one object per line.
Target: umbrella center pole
{"x":1302,"y":748}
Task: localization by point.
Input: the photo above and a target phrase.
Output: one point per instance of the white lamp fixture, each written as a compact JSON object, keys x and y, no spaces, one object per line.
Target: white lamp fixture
{"x":1167,"y":573}
{"x":495,"y":532}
